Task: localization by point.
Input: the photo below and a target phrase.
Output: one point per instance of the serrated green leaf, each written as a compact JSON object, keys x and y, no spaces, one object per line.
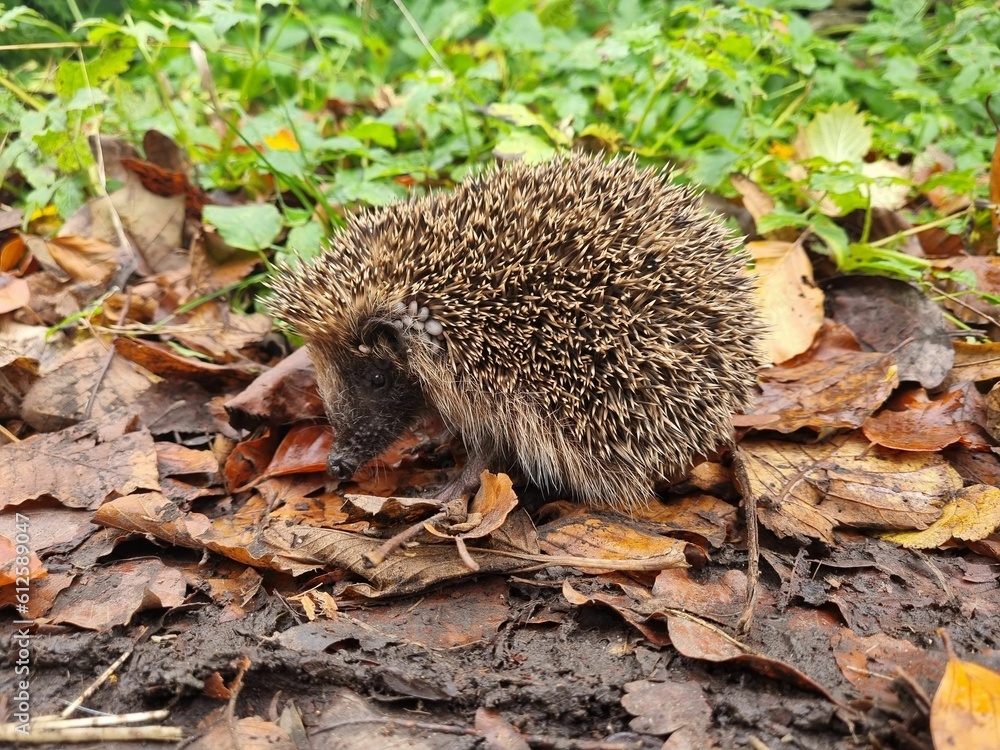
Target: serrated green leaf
{"x":69,"y":79}
{"x":838,"y":135}
{"x":113,"y":60}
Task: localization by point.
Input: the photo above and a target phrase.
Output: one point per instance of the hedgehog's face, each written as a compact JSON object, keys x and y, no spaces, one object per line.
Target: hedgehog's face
{"x":370,"y":398}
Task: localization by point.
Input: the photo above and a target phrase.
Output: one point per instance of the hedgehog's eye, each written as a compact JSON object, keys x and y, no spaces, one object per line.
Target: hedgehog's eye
{"x":378,"y":380}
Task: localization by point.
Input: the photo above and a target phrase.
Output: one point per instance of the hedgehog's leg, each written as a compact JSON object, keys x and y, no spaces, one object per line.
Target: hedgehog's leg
{"x":467,"y":482}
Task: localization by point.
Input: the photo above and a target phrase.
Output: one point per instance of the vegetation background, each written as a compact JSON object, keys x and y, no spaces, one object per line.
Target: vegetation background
{"x":306,"y":103}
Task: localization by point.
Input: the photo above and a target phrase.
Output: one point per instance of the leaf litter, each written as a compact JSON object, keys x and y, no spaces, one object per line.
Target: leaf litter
{"x":172,"y":469}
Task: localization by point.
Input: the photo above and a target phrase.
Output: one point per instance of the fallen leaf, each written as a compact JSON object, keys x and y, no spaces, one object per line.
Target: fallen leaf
{"x":790,"y":304}
{"x":808,"y":490}
{"x":665,"y":707}
{"x":975,"y":361}
{"x":601,"y":538}
{"x":14,"y":293}
{"x":965,"y":712}
{"x":871,"y":663}
{"x":106,"y":596}
{"x":822,"y":394}
{"x":88,"y":382}
{"x":497,"y":732}
{"x":697,"y":640}
{"x":913,"y":422}
{"x":888,"y":315}
{"x":81,"y":466}
{"x":972,"y":514}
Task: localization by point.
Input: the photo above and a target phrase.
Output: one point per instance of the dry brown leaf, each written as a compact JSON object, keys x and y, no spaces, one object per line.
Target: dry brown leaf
{"x":315,"y":604}
{"x":822,"y":394}
{"x":81,"y":466}
{"x":105,"y":596}
{"x":791,"y":306}
{"x":914,"y":422}
{"x":14,"y":293}
{"x":220,"y":333}
{"x":251,"y":733}
{"x":720,"y":600}
{"x":965,"y":712}
{"x":868,"y":662}
{"x":170,"y":364}
{"x":151,"y":513}
{"x":414,"y":570}
{"x":975,"y":361}
{"x":809,"y":490}
{"x":666,"y":707}
{"x":284,"y":394}
{"x":498,"y":733}
{"x":972,"y":514}
{"x":493,"y":503}
{"x":89,"y":382}
{"x":601,"y":538}
{"x":888,"y":315}
{"x":12,"y":252}
{"x":85,"y":259}
{"x":703,"y":515}
{"x":12,"y":563}
{"x":697,"y":640}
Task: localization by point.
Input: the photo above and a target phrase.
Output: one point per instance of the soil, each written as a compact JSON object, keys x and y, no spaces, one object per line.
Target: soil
{"x":384,"y":674}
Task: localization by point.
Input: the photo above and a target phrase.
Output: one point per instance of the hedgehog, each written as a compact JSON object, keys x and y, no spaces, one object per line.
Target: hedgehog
{"x":583,"y":324}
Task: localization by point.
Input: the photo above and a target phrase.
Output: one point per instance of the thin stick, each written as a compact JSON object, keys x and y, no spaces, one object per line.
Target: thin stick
{"x":753,"y":566}
{"x":92,"y":688}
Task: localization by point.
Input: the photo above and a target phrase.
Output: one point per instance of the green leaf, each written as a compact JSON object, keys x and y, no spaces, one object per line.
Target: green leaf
{"x":518,"y":114}
{"x":838,"y":135}
{"x":504,"y":8}
{"x":524,"y":146}
{"x":376,"y":132}
{"x":607,"y":135}
{"x":306,"y":241}
{"x":69,"y":79}
{"x":252,"y":227}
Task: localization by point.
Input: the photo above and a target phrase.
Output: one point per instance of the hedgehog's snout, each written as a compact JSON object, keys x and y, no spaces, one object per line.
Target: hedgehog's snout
{"x":340,"y":467}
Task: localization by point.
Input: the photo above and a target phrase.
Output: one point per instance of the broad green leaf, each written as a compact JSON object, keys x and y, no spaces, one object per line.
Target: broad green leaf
{"x":376,"y":132}
{"x":306,"y":241}
{"x":838,"y":135}
{"x":524,"y":146}
{"x":252,"y":227}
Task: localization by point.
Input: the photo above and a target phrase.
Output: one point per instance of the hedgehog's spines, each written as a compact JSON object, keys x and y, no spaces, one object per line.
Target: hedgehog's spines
{"x":598,"y":332}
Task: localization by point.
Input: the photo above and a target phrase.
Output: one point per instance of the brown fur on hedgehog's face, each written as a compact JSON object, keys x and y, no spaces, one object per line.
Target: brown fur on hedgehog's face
{"x":370,"y":398}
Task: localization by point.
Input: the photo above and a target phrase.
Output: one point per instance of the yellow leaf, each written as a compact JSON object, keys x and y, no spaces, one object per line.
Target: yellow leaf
{"x":972,"y":514}
{"x":790,"y":304}
{"x":965,"y":712}
{"x":283,"y":140}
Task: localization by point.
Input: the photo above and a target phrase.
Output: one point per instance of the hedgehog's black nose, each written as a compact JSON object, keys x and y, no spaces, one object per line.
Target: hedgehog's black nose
{"x":339,"y":468}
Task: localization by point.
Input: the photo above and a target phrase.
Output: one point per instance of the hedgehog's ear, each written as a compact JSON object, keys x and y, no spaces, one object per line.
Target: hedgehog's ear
{"x":381,"y":338}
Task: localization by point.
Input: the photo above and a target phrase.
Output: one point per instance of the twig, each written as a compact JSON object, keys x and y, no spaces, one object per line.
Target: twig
{"x":63,"y":737}
{"x":753,"y":566}
{"x":92,"y":688}
{"x":378,"y":556}
{"x":534,"y":740}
